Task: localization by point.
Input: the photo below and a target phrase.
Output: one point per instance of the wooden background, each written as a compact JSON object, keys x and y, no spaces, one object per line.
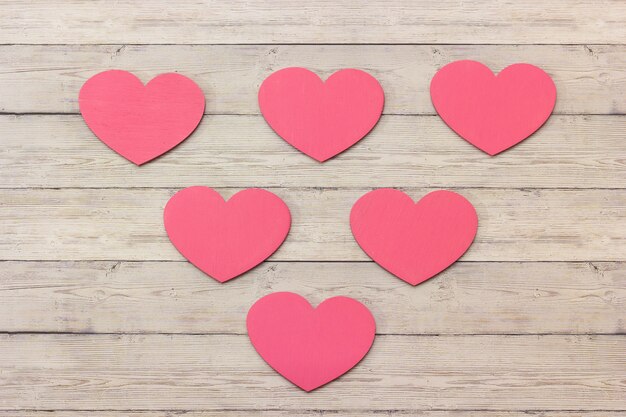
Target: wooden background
{"x":98,"y":311}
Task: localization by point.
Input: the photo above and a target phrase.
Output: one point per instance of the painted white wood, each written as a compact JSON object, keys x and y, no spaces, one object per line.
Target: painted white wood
{"x":37,"y":78}
{"x":578,"y":155}
{"x":243,"y":151}
{"x":313,"y":413}
{"x":126,"y":224}
{"x":175,"y":297}
{"x":319,"y":21}
{"x":217,"y":372}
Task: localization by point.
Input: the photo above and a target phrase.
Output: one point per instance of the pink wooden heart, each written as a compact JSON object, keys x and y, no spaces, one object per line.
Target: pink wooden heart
{"x":492,"y":112}
{"x":310,"y":346}
{"x":321,"y":119}
{"x":141,"y":122}
{"x":226,"y":238}
{"x":414,"y":241}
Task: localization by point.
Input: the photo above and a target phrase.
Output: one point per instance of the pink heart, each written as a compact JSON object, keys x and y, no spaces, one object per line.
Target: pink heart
{"x":414,"y":241}
{"x":321,"y":119}
{"x":492,"y":112}
{"x":224,"y":239}
{"x":310,"y":346}
{"x":141,"y":122}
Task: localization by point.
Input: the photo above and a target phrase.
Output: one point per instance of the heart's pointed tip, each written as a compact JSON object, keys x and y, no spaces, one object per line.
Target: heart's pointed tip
{"x":490,"y":152}
{"x":410,"y":281}
{"x":321,"y":159}
{"x":222,"y":280}
{"x":217,"y":277}
{"x":420,"y":280}
{"x":139,"y":161}
{"x":308,"y":388}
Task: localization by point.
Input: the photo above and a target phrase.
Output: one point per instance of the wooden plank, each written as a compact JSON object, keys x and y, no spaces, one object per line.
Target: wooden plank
{"x":175,"y":297}
{"x":314,"y":413}
{"x":237,"y":151}
{"x":209,"y":372}
{"x":322,"y":21}
{"x":46,"y":79}
{"x":126,"y":224}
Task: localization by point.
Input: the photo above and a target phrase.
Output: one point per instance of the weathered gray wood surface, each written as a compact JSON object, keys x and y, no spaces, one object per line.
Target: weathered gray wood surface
{"x":127,"y":224}
{"x":99,"y":315}
{"x":311,"y":413}
{"x":175,"y":297}
{"x":321,"y":21}
{"x":242,"y":151}
{"x":45,"y":79}
{"x":190,"y":372}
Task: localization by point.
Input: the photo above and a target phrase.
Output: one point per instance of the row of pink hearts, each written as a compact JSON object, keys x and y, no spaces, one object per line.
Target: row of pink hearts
{"x":311,"y":347}
{"x":321,"y":119}
{"x":413,"y":241}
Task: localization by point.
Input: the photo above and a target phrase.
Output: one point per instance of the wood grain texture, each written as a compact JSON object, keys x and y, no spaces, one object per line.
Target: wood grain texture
{"x":313,"y":413}
{"x":544,"y":277}
{"x":321,"y":21}
{"x":198,"y":372}
{"x":242,"y":151}
{"x":46,"y":79}
{"x":175,"y":297}
{"x":126,"y":224}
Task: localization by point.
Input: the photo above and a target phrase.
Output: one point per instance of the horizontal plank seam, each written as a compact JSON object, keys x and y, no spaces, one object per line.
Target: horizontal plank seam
{"x":318,"y":44}
{"x":312,"y":410}
{"x":316,"y":261}
{"x":71,"y":333}
{"x":351,"y":188}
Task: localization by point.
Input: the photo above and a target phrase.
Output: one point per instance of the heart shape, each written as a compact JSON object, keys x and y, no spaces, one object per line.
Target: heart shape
{"x":492,"y":112}
{"x":321,"y":119}
{"x":310,"y":347}
{"x":414,"y":241}
{"x":224,"y":239}
{"x":141,"y":122}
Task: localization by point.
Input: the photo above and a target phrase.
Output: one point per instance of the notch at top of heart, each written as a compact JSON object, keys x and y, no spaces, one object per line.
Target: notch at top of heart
{"x":141,"y":122}
{"x":493,"y":112}
{"x":321,"y":118}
